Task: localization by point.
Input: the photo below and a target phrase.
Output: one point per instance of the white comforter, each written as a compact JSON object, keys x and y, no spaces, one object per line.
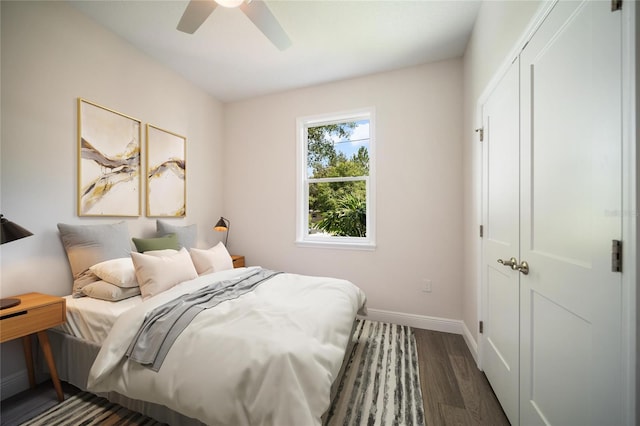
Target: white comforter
{"x":266,"y":358}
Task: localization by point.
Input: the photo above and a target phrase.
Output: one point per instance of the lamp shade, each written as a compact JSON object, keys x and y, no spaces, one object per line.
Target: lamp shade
{"x":222,"y":225}
{"x":10,"y":231}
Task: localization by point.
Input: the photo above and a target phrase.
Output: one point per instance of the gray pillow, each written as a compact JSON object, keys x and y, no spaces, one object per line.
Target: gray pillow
{"x":87,"y":245}
{"x":107,"y":291}
{"x":187,"y":235}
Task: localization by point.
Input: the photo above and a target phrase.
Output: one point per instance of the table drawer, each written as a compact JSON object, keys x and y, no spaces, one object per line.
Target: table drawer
{"x":23,"y":323}
{"x":238,"y":261}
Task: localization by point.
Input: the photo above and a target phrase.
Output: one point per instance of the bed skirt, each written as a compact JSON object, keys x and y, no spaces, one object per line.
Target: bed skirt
{"x":74,"y":358}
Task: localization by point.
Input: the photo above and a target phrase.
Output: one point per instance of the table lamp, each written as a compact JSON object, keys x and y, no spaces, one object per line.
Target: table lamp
{"x":10,"y":231}
{"x":223,"y":225}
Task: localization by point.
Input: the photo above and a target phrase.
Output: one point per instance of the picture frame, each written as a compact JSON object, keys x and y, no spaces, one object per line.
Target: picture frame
{"x":166,"y":173}
{"x":109,"y":162}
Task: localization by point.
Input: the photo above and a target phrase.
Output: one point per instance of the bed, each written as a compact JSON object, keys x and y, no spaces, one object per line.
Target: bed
{"x":269,"y":356}
{"x":244,"y":346}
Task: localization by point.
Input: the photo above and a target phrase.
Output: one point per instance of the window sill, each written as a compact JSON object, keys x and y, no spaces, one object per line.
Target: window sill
{"x":367,"y":246}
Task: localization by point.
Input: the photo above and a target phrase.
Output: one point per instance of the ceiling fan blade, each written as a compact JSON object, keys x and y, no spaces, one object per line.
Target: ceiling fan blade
{"x":195,"y":14}
{"x":258,"y":12}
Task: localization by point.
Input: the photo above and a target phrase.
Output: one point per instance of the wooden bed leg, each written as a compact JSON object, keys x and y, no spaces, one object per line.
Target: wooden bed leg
{"x":28,"y":357}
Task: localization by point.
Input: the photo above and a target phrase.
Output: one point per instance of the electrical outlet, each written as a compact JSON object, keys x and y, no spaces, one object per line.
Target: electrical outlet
{"x":426,"y":285}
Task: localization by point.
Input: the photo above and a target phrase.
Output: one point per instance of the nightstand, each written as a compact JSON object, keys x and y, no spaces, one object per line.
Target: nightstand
{"x":34,"y":315}
{"x":238,"y":261}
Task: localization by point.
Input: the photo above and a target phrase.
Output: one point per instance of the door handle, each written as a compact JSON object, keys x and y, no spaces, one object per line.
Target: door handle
{"x":523,"y":267}
{"x":512,"y":263}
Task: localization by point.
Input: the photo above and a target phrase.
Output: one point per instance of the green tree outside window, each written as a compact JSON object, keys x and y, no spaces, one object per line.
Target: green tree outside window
{"x":337,"y":207}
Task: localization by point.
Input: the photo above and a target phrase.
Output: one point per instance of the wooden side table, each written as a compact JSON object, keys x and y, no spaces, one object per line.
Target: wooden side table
{"x":238,"y":261}
{"x":34,"y":315}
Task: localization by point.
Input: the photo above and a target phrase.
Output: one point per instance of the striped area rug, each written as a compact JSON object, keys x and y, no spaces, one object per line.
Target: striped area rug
{"x":380,"y":387}
{"x":85,"y":408}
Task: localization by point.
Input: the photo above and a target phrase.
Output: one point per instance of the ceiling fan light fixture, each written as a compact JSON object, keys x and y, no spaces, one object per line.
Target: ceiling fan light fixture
{"x":229,"y":3}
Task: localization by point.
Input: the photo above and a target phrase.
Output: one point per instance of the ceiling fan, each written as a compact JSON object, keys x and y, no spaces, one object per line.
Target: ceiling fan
{"x":257,"y":11}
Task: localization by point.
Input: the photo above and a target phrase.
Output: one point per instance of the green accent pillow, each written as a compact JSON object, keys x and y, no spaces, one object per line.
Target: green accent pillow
{"x":160,"y":243}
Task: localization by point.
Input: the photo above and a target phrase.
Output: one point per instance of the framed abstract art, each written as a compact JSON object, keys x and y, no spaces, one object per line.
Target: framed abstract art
{"x":166,"y":173}
{"x":108,"y":162}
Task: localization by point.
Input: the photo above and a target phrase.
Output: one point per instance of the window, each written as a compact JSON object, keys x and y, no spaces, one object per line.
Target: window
{"x":336,"y":177}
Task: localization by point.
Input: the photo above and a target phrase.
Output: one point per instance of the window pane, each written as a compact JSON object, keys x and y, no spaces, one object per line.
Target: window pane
{"x":338,"y":150}
{"x":338,"y":209}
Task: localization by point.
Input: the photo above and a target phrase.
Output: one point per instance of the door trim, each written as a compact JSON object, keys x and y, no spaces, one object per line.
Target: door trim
{"x":630,"y":208}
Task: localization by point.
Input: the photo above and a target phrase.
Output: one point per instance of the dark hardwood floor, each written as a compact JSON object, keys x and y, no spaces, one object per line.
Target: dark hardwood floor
{"x":454,"y":391}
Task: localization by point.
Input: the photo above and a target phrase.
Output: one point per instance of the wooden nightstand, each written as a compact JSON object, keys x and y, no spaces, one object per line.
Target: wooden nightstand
{"x":34,"y":315}
{"x":238,"y":261}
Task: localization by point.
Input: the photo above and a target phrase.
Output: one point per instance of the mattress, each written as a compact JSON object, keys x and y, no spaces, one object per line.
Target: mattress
{"x":92,"y":319}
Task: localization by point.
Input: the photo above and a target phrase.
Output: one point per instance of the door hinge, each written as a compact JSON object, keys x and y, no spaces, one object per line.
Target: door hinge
{"x":481,"y":231}
{"x":616,"y":5}
{"x":616,"y":256}
{"x":481,"y":132}
{"x":481,"y":327}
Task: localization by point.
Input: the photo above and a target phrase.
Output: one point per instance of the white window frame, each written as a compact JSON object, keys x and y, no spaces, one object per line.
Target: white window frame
{"x":303,"y":238}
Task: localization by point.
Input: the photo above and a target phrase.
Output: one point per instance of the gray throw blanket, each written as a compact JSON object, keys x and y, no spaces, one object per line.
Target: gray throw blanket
{"x":163,"y":325}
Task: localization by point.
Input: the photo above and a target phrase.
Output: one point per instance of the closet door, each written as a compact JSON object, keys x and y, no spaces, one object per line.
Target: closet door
{"x":500,"y":292}
{"x":570,"y":213}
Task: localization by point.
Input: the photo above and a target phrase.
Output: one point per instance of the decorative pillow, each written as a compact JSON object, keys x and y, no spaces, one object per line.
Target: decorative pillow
{"x":215,"y":259}
{"x":87,"y":245}
{"x":107,"y":291}
{"x":187,"y":235}
{"x":160,"y":253}
{"x":118,"y":272}
{"x":157,"y":274}
{"x":161,"y":243}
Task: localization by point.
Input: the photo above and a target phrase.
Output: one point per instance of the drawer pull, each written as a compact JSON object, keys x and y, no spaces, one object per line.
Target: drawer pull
{"x":15,"y":314}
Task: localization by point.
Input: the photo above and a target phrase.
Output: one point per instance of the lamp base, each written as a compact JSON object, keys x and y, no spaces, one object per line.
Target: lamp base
{"x":8,"y":303}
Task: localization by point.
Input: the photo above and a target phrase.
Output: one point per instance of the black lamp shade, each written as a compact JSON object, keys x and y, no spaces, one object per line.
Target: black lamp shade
{"x":221,"y":225}
{"x":10,"y":231}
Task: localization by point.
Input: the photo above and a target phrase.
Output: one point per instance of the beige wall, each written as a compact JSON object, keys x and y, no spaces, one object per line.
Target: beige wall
{"x":52,"y":54}
{"x":497,"y":29}
{"x":419,"y":185}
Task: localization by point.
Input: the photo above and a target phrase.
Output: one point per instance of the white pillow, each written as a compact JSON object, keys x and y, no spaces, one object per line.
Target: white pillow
{"x":107,"y":291}
{"x":157,"y":274}
{"x":160,"y":253}
{"x":215,"y":259}
{"x":118,"y":272}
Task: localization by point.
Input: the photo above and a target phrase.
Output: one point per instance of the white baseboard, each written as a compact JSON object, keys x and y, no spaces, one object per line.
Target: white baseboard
{"x":445,"y":325}
{"x":419,"y":321}
{"x":471,"y":343}
{"x":14,"y":384}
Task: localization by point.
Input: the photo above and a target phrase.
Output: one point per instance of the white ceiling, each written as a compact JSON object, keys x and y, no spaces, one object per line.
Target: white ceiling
{"x":332,"y":40}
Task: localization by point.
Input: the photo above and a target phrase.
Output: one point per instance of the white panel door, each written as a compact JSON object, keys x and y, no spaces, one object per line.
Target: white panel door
{"x":570,"y":213}
{"x":501,"y":295}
